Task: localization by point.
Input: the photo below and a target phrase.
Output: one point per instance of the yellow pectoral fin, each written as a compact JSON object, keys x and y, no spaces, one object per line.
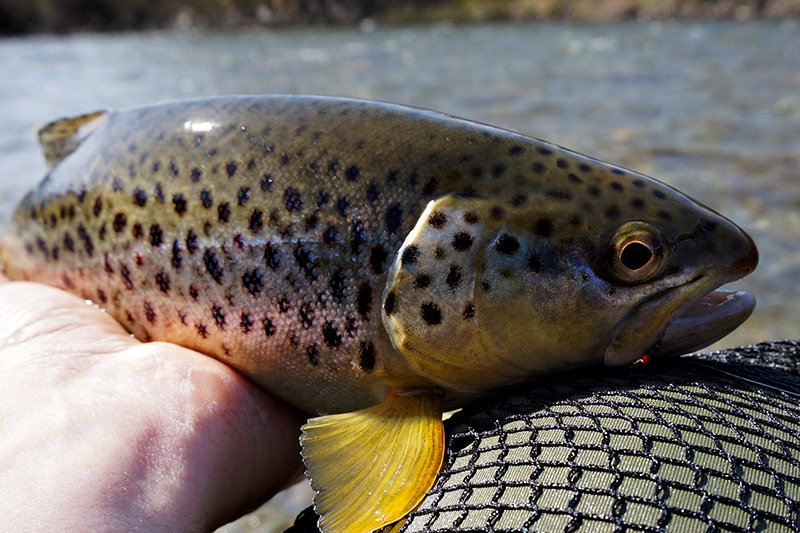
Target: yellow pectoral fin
{"x":370,"y":468}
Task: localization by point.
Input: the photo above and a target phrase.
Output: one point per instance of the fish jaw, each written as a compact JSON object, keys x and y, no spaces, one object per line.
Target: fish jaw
{"x":691,"y":312}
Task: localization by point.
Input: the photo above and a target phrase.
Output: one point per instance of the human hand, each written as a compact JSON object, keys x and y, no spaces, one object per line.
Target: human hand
{"x":101,"y":432}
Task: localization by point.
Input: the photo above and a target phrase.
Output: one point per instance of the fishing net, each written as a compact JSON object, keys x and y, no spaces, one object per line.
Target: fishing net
{"x":707,"y":443}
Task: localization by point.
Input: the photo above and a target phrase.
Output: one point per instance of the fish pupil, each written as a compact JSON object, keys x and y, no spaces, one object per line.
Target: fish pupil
{"x":635,"y":255}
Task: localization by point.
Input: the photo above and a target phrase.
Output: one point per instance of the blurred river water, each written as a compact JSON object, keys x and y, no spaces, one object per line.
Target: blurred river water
{"x":711,"y":108}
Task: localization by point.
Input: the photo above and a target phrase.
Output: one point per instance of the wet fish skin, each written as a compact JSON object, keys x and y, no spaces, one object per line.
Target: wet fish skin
{"x":264,"y":231}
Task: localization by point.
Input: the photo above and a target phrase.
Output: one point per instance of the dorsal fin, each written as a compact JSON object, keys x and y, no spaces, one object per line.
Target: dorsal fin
{"x":61,"y":137}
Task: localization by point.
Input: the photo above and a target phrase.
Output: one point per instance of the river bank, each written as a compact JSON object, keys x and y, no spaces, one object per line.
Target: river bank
{"x":64,"y":16}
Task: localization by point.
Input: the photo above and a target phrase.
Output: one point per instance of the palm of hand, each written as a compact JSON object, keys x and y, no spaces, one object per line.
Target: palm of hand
{"x":101,"y":431}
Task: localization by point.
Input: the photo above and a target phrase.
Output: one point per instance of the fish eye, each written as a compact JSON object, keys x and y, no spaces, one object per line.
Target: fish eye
{"x":637,"y":253}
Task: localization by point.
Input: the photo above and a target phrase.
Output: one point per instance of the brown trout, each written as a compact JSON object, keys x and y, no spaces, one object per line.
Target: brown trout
{"x":371,"y":260}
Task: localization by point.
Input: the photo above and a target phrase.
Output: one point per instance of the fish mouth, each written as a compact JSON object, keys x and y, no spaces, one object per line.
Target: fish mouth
{"x":680,"y":319}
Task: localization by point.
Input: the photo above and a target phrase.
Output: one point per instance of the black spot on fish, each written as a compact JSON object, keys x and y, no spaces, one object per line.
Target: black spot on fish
{"x":98,"y":206}
{"x":224,"y":212}
{"x":574,"y":179}
{"x":469,"y":311}
{"x":333,"y":339}
{"x":253,"y":281}
{"x":431,"y":313}
{"x":612,"y":211}
{"x":377,"y":259}
{"x":430,"y":187}
{"x":218,"y":314}
{"x":173,"y":169}
{"x":191,"y":242}
{"x":394,"y":218}
{"x":364,"y":299}
{"x":410,"y":255}
{"x":245,"y":322}
{"x":544,"y":151}
{"x":243,"y":196}
{"x":69,"y":243}
{"x":338,"y":284}
{"x":437,"y":219}
{"x":196,"y":174}
{"x":125,"y":273}
{"x":307,"y":261}
{"x":330,"y":236}
{"x":342,"y":204}
{"x":177,"y":259}
{"x":562,"y":163}
{"x":659,"y":194}
{"x":534,"y":264}
{"x":139,"y":197}
{"x":558,"y":194}
{"x":583,"y":167}
{"x":516,"y":150}
{"x":496,"y":212}
{"x":389,"y":303}
{"x":149,"y":313}
{"x":471,"y":218}
{"x":618,"y":171}
{"x":498,"y":169}
{"x":507,"y":244}
{"x":156,"y":166}
{"x":269,"y":327}
{"x":454,"y":277}
{"x":156,"y":235}
{"x":312,"y":352}
{"x":519,"y":200}
{"x":292,"y":200}
{"x":372,"y":192}
{"x":306,"y":315}
{"x":617,"y":186}
{"x":439,"y":253}
{"x":163,"y":281}
{"x":180,"y":203}
{"x":422,"y":281}
{"x":230,"y":168}
{"x":593,"y":190}
{"x":638,"y":183}
{"x":637,"y":203}
{"x":272,"y":256}
{"x":664,"y":215}
{"x":352,"y":173}
{"x":137,"y":231}
{"x":462,"y":241}
{"x":213,"y":266}
{"x":367,"y":356}
{"x":266,"y":182}
{"x":543,"y":227}
{"x":538,"y":167}
{"x":194,"y":292}
{"x":206,"y":198}
{"x":119,"y":222}
{"x":256,"y":222}
{"x":476,"y":172}
{"x":333,"y":167}
{"x":159,"y":193}
{"x":101,"y":295}
{"x":358,"y":236}
{"x":201,"y":330}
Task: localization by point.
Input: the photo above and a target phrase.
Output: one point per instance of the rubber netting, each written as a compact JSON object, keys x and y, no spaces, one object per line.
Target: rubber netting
{"x":707,"y":443}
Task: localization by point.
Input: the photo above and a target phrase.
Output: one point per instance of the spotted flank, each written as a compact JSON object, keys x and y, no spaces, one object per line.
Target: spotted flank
{"x":369,"y":263}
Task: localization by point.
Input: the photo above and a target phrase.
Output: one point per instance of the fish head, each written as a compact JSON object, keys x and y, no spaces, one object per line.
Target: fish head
{"x":481,"y":297}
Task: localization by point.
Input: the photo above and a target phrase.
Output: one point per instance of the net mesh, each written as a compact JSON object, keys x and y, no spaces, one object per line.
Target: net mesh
{"x":710,"y":443}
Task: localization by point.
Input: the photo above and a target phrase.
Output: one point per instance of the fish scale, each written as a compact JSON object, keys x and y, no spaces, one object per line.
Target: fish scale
{"x":347,"y":255}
